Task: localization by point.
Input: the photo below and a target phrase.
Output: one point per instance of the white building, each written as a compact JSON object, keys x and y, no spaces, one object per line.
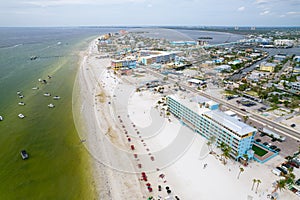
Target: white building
{"x":284,"y":42}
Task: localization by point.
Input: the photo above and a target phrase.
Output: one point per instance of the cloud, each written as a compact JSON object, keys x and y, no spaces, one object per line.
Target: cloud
{"x":293,"y":13}
{"x":266,"y":12}
{"x":49,"y":3}
{"x":241,"y":8}
{"x":261,"y":1}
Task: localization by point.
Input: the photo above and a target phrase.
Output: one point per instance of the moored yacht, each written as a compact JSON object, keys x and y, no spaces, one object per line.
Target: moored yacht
{"x":24,"y":155}
{"x":47,"y":94}
{"x":21,"y":116}
{"x":21,"y":103}
{"x":1,"y":118}
{"x":51,"y":105}
{"x":56,"y":97}
{"x":35,"y":88}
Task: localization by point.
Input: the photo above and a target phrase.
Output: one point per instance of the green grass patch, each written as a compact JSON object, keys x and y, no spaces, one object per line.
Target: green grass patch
{"x":259,"y":151}
{"x":252,"y":93}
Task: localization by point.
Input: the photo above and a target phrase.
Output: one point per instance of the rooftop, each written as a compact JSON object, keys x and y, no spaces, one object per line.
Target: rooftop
{"x":230,"y":122}
{"x":193,"y":104}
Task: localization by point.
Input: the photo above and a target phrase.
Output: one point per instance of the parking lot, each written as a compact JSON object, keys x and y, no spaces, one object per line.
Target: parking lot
{"x":287,"y":147}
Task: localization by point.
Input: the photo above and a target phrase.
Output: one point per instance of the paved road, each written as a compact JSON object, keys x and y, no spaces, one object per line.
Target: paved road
{"x":281,"y":129}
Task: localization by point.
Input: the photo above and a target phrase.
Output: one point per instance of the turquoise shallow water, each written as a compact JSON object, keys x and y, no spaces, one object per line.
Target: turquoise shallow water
{"x":58,"y":166}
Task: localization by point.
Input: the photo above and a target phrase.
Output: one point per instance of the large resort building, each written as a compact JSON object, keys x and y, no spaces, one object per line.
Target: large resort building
{"x":204,"y":117}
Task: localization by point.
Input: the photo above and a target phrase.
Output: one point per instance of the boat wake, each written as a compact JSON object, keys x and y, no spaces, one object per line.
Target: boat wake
{"x":10,"y":47}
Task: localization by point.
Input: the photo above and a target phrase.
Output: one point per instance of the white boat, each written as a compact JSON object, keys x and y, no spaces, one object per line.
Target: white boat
{"x":51,"y":105}
{"x":21,"y":96}
{"x":21,"y":103}
{"x":24,"y":155}
{"x":18,"y":93}
{"x":47,"y":94}
{"x":56,"y":97}
{"x":1,"y":118}
{"x":40,"y":80}
{"x":35,"y":88}
{"x":21,"y":116}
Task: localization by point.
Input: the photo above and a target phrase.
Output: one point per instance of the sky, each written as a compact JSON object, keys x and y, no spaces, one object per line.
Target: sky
{"x":149,"y":13}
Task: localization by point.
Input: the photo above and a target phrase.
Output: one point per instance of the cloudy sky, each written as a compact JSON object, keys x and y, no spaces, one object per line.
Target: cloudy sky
{"x":150,"y":12}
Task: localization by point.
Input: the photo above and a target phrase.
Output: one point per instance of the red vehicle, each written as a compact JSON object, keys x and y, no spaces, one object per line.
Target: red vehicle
{"x":132,"y":147}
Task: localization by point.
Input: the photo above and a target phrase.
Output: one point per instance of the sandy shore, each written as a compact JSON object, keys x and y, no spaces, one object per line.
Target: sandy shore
{"x":113,"y":116}
{"x":99,"y":133}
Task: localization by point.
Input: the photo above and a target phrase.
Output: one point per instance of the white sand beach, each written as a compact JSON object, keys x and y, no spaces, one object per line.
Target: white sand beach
{"x":113,"y":116}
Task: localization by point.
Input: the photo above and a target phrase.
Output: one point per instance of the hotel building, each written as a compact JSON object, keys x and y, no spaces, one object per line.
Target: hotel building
{"x":204,"y":117}
{"x":151,"y":57}
{"x":127,"y":63}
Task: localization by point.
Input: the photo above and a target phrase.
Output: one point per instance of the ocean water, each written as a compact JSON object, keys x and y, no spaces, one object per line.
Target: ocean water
{"x":58,"y":165}
{"x":217,"y":37}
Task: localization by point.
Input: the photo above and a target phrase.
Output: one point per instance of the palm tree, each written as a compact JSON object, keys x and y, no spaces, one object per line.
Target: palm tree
{"x":222,"y":145}
{"x":246,"y":156}
{"x":245,"y":118}
{"x":290,"y":177}
{"x":210,"y":142}
{"x":280,"y":184}
{"x":226,"y":153}
{"x":258,"y":182}
{"x":241,"y":170}
{"x":254,"y":181}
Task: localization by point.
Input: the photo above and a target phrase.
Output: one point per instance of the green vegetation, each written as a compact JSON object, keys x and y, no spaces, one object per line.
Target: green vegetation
{"x":259,"y":151}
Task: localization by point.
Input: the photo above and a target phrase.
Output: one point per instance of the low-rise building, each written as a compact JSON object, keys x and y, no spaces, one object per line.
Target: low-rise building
{"x":223,"y":68}
{"x":268,"y":67}
{"x":279,"y":57}
{"x":284,"y":43}
{"x":295,"y":86}
{"x":127,"y":63}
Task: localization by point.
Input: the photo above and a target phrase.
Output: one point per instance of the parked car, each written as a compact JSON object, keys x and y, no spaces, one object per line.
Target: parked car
{"x":265,"y":143}
{"x":293,"y":163}
{"x":287,"y":166}
{"x":293,"y":125}
{"x":276,"y":172}
{"x":282,"y":170}
{"x":274,"y":140}
{"x":298,"y":182}
{"x":277,"y":150}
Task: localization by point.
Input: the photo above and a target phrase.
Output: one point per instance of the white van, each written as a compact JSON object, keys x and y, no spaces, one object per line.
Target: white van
{"x":276,"y":172}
